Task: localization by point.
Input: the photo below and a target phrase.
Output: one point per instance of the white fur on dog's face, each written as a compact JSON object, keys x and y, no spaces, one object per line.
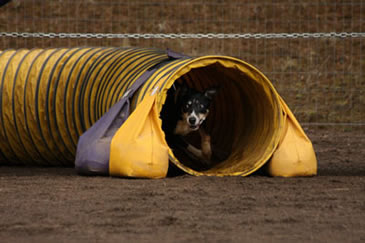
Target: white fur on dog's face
{"x":194,"y":119}
{"x":183,"y":127}
{"x":194,"y":110}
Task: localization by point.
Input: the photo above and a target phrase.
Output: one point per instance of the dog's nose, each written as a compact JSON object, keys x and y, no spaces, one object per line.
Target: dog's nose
{"x":192,"y":120}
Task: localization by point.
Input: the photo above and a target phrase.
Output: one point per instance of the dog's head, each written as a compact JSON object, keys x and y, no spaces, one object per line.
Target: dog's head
{"x":195,"y":106}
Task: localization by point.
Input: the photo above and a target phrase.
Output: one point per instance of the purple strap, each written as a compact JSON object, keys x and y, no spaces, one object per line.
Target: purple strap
{"x":93,"y":147}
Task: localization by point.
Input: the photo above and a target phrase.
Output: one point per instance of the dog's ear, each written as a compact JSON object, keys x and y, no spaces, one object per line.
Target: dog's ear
{"x":184,"y":89}
{"x":181,"y":89}
{"x":209,"y":93}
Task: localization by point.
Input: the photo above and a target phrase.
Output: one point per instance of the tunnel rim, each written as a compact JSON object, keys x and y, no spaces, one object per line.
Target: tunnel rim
{"x":236,"y":63}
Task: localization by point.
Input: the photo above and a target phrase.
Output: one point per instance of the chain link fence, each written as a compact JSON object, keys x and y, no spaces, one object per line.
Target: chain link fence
{"x":183,"y":35}
{"x":312,"y":51}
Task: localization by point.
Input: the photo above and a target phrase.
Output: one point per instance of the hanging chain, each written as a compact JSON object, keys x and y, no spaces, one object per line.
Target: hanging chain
{"x":185,"y":35}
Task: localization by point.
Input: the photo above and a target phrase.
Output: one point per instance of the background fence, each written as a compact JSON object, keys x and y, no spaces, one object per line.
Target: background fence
{"x":320,"y":75}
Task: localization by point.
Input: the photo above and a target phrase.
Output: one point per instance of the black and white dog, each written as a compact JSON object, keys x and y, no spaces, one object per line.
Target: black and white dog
{"x":185,"y":111}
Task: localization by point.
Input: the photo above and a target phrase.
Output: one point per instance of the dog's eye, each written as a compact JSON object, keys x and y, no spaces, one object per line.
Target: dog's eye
{"x":204,"y":111}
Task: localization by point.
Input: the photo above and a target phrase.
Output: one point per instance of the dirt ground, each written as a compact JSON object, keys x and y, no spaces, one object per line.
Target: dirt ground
{"x":320,"y":78}
{"x":56,"y":204}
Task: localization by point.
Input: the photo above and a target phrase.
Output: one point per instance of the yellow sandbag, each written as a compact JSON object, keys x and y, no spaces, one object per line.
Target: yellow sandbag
{"x":295,"y":154}
{"x":138,"y":149}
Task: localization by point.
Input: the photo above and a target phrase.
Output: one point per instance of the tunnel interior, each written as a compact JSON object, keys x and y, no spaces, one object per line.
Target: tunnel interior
{"x":242,"y":121}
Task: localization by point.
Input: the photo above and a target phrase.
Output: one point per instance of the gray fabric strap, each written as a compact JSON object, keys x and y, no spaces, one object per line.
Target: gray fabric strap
{"x":93,"y":148}
{"x":147,"y":74}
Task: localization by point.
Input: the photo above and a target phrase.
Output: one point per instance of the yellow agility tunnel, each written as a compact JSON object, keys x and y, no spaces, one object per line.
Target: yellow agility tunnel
{"x":50,"y":97}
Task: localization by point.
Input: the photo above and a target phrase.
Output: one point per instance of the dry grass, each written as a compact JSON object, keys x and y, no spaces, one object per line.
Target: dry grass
{"x":322,"y":80}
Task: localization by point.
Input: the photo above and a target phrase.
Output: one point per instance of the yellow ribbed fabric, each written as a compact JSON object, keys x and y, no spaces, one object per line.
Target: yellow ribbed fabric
{"x":49,"y":97}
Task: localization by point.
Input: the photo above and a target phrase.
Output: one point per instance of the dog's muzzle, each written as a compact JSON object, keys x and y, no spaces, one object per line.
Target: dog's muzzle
{"x":194,"y":121}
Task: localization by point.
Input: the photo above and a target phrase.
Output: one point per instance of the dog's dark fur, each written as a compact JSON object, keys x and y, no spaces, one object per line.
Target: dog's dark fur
{"x":185,"y":111}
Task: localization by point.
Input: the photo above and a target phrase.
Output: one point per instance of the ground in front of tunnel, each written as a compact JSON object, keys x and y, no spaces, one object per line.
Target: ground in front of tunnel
{"x":57,"y":205}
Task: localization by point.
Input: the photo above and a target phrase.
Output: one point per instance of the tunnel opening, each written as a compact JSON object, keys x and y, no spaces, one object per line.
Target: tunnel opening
{"x":243,"y":122}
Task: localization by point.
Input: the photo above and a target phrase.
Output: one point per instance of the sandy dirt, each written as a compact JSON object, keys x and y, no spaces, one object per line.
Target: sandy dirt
{"x":56,"y":204}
